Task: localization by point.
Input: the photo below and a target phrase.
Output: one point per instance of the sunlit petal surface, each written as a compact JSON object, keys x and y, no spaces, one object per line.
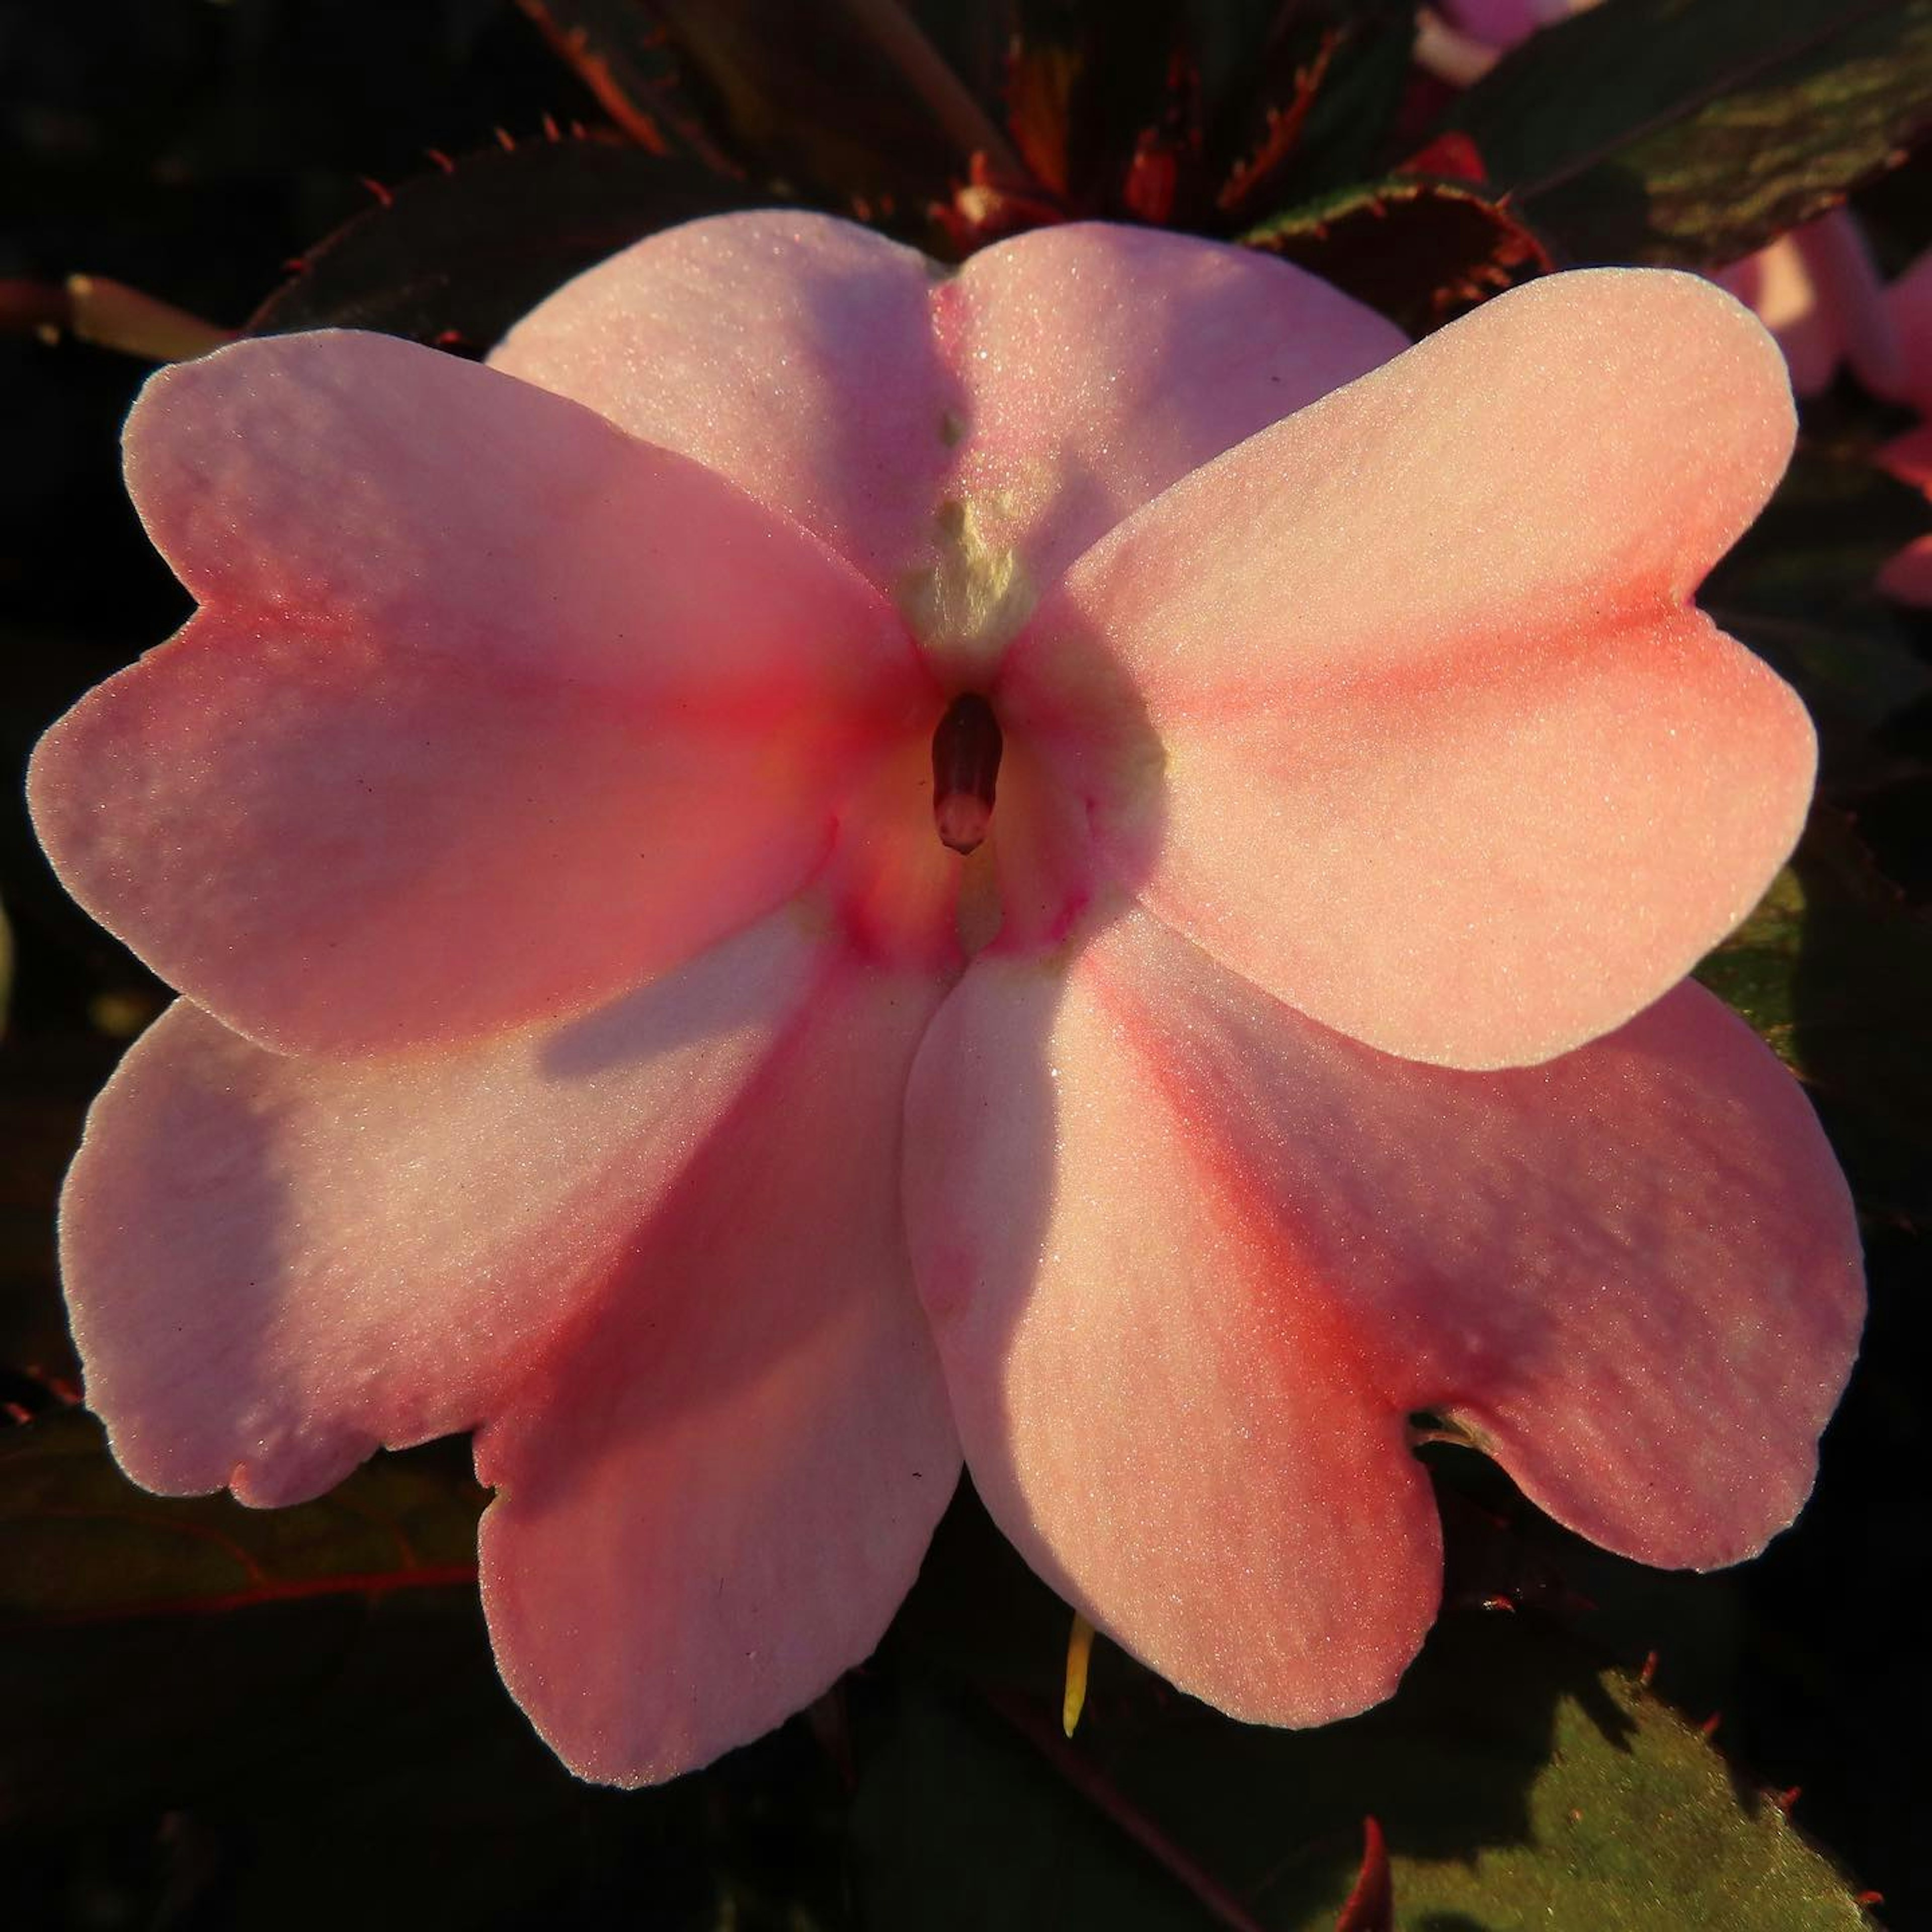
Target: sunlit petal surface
{"x":1194,"y":1260}
{"x":1411,"y":721}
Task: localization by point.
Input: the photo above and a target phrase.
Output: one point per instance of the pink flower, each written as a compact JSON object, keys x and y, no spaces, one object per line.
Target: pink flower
{"x":1817,"y":290}
{"x":1908,"y":576}
{"x":1460,"y":41}
{"x":589,"y":1039}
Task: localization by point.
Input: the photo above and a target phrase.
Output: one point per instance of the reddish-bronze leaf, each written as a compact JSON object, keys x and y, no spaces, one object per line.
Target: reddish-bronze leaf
{"x":1421,"y":251}
{"x":1371,"y":1906}
{"x":848,"y":100}
{"x":457,"y":255}
{"x":1256,"y":173}
{"x":1104,"y":102}
{"x":625,"y":60}
{"x":1304,"y":103}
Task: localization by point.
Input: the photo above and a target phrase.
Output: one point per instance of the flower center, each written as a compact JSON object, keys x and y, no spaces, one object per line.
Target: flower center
{"x":966,"y":748}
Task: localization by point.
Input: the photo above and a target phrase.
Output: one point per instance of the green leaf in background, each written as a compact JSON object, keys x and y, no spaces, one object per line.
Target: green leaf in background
{"x":457,"y":256}
{"x":1521,"y":1779}
{"x":1690,"y":132}
{"x":80,"y":1543}
{"x":1800,"y":590}
{"x":1519,"y":1783}
{"x":303,"y":1702}
{"x":1834,"y":970}
{"x":1331,"y":75}
{"x":845,"y":101}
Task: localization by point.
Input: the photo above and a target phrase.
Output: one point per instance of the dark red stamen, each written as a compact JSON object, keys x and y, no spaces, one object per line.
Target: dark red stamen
{"x":965,"y":769}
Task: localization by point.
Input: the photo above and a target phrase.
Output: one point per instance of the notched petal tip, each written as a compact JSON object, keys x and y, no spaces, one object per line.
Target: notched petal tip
{"x":1711,"y":367}
{"x":1507,"y":785}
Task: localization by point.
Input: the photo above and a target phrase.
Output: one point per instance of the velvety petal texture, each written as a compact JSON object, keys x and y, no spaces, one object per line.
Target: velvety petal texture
{"x":580,"y":1044}
{"x":1460,"y":41}
{"x":712,"y":1496}
{"x":1098,"y":364}
{"x":961,"y":436}
{"x":1347,"y":712}
{"x":1193,"y":1268}
{"x":791,"y":352}
{"x":1504,"y":22}
{"x":476,"y":724}
{"x":274,"y":1264}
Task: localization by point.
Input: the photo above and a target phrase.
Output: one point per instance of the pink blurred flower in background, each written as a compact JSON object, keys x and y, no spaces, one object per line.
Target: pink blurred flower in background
{"x":1460,"y":41}
{"x":1908,"y":306}
{"x":589,"y":1040}
{"x":1818,"y":291}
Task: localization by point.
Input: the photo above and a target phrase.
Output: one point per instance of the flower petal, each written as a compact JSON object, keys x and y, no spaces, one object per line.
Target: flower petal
{"x":712,"y":1497}
{"x":1100,"y":363}
{"x":1055,"y":383}
{"x":1504,"y":22}
{"x":1907,"y":575}
{"x":1404,"y":716}
{"x":274,"y":1264}
{"x":1817,"y":291}
{"x":1191,"y":1272}
{"x":490,"y":711}
{"x":791,"y":352}
{"x":1909,"y":310}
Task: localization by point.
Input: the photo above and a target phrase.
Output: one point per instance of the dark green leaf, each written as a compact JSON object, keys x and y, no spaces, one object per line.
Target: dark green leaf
{"x":1352,"y":60}
{"x":455,"y":257}
{"x":78,"y":1542}
{"x":1834,"y":970}
{"x":1690,"y":132}
{"x":846,"y":101}
{"x":1519,"y":1782}
{"x":1800,"y":590}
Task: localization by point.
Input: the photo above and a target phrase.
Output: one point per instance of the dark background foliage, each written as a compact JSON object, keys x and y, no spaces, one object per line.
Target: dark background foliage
{"x":211,"y":1720}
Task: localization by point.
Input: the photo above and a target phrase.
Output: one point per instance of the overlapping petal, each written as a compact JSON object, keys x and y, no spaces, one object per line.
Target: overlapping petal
{"x":1101,"y":364}
{"x":1053,"y":384}
{"x":1398,"y":708}
{"x":712,"y":1496}
{"x":273,"y":1264}
{"x":477,"y":723}
{"x":791,"y":352}
{"x":1192,"y":1259}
